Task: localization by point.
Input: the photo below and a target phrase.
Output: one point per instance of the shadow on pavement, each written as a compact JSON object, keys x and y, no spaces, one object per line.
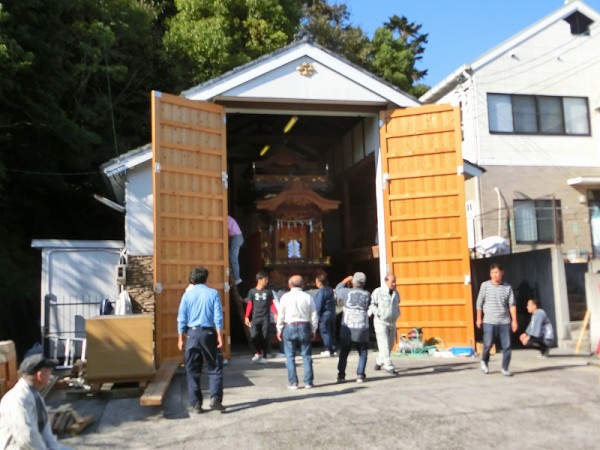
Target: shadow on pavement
{"x":236,"y":407}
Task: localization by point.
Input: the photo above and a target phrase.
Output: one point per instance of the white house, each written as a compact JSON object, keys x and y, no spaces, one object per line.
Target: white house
{"x":531,"y":118}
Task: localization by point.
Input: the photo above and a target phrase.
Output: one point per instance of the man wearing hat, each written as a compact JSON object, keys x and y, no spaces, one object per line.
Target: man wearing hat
{"x":24,"y":420}
{"x":354,"y":330}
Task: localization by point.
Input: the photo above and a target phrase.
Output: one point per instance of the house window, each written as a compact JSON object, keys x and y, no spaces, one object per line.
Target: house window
{"x":538,"y":114}
{"x":538,"y":221}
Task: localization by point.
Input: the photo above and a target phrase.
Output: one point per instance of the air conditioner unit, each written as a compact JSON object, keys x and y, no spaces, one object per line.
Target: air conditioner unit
{"x":121,"y":274}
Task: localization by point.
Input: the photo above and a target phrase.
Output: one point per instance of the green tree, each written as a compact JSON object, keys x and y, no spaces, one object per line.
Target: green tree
{"x":209,"y":37}
{"x":396,"y":48}
{"x":331,"y":26}
{"x":75,"y":77}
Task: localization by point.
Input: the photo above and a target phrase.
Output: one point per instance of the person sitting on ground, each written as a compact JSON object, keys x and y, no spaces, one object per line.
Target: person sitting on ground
{"x":354,"y":330}
{"x":260,"y":306}
{"x":325,"y":303}
{"x":24,"y":420}
{"x":539,"y":333}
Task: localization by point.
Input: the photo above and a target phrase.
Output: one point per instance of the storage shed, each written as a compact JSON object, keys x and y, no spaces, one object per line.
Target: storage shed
{"x":396,"y":168}
{"x":76,"y":277}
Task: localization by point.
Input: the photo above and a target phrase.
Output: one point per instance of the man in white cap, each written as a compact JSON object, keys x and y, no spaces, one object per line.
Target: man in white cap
{"x":354,"y":330}
{"x":24,"y":420}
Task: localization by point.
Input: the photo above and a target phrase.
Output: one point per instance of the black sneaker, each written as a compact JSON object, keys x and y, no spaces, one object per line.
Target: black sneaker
{"x":196,"y":409}
{"x":341,"y":379}
{"x":377,"y":367}
{"x":217,"y":406}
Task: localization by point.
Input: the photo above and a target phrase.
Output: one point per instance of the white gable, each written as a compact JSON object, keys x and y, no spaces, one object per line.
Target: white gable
{"x":506,"y":49}
{"x":276,"y":78}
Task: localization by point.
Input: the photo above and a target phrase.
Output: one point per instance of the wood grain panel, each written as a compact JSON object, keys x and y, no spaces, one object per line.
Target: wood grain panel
{"x":189,"y":158}
{"x":424,"y":208}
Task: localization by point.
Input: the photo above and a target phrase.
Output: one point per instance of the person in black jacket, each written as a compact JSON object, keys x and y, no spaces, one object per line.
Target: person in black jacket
{"x":325,"y":303}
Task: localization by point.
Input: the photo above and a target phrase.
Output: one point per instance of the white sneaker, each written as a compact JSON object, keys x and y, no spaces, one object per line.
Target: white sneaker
{"x":326,"y":353}
{"x":484,"y":368}
{"x":262,"y":360}
{"x":256,"y":357}
{"x":507,"y":373}
{"x":293,"y":387}
{"x":308,"y":386}
{"x":278,"y":355}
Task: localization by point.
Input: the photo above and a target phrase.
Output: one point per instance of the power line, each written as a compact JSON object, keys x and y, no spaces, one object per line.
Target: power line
{"x":61,"y":174}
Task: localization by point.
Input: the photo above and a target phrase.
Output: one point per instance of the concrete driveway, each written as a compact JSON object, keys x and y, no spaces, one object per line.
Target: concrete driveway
{"x":432,"y":403}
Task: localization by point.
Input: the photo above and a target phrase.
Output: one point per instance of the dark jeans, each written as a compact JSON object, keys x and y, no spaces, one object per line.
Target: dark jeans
{"x":497,"y":333}
{"x":345,"y":347}
{"x":201,"y":345}
{"x":327,"y":330}
{"x":297,"y":336}
{"x":260,"y":332}
{"x":536,"y":342}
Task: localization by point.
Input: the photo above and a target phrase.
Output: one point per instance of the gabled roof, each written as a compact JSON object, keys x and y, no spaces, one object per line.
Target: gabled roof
{"x":270,"y":76}
{"x":115,"y":169}
{"x":456,"y":77}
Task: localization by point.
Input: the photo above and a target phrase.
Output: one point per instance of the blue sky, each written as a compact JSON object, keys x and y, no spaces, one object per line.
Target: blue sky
{"x":459,"y":31}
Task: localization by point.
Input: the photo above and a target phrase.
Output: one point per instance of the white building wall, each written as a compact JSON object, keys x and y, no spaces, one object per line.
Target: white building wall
{"x":553,"y":62}
{"x":139,"y":225}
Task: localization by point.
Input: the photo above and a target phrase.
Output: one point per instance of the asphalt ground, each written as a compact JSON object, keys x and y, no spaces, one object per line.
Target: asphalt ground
{"x":432,"y":403}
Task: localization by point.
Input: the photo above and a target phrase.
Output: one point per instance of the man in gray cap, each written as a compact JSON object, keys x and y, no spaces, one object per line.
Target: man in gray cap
{"x":354,"y":330}
{"x":24,"y":420}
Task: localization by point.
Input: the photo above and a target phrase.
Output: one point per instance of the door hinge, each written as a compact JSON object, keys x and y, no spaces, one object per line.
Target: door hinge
{"x":467,"y":279}
{"x":385,"y":180}
{"x":158,"y":288}
{"x":460,"y":170}
{"x":157,"y":167}
{"x":224,"y":178}
{"x":226,"y":287}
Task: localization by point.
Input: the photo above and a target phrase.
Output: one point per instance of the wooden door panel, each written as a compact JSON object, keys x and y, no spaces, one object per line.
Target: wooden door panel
{"x":424,"y":210}
{"x":190,"y":208}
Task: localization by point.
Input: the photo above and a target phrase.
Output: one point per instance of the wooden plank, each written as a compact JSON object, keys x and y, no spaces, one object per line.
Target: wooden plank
{"x":156,"y":390}
{"x":424,"y":210}
{"x":189,"y":142}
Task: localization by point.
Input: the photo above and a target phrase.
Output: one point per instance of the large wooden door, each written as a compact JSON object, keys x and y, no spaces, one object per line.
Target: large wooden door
{"x":426,"y":230}
{"x":189,"y":164}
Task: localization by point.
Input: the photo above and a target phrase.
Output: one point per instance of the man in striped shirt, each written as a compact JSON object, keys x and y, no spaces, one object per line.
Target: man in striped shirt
{"x":497,"y":312}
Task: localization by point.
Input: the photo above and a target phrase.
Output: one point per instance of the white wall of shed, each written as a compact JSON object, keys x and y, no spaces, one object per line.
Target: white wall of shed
{"x":76,"y":281}
{"x":139,"y":220}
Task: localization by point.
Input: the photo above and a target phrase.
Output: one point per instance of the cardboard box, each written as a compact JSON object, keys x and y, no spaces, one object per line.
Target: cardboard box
{"x":120,"y":348}
{"x":479,"y":348}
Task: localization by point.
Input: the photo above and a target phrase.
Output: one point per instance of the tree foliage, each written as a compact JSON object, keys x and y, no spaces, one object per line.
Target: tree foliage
{"x":75,"y":79}
{"x":209,"y":37}
{"x":331,"y":26}
{"x":397,"y":46}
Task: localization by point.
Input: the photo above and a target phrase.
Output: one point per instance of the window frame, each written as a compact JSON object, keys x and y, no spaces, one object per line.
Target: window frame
{"x":557,"y":227}
{"x":538,"y":115}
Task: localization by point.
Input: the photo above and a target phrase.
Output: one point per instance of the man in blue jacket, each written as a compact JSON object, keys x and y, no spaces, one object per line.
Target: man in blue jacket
{"x":199,"y":324}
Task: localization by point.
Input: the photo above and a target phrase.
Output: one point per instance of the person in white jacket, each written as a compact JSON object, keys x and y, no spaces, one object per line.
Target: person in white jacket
{"x":385,"y":309}
{"x":24,"y":420}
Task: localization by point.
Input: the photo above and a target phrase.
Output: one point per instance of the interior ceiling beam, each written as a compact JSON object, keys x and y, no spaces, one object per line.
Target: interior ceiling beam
{"x":288,"y":108}
{"x":282,"y":139}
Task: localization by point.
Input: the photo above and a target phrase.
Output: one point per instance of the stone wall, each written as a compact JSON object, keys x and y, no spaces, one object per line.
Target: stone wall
{"x":140,"y":283}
